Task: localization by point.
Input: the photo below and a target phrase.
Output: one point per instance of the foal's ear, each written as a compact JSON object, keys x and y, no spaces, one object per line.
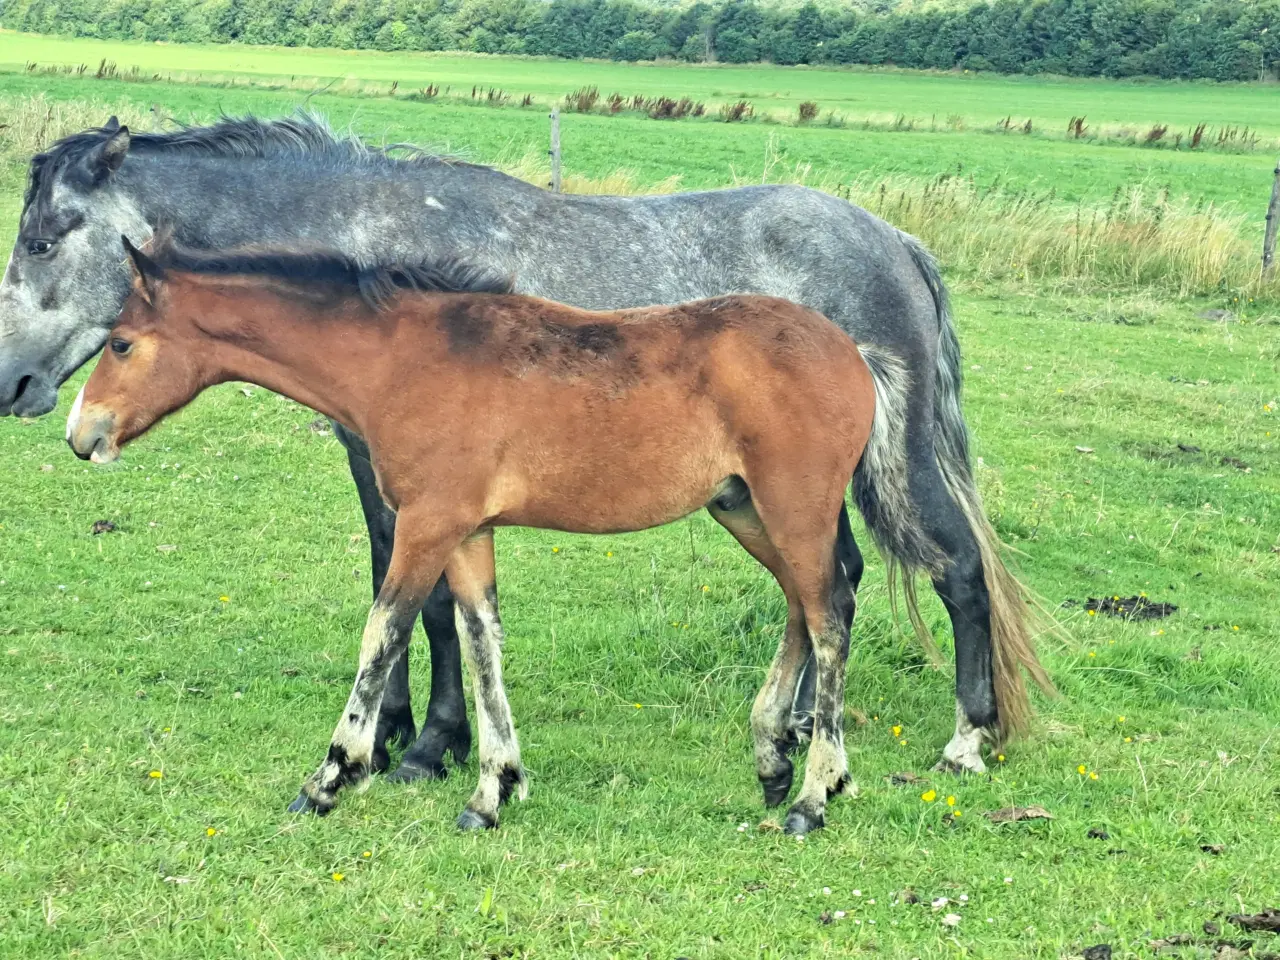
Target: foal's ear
{"x":112,"y":124}
{"x":145,"y":271}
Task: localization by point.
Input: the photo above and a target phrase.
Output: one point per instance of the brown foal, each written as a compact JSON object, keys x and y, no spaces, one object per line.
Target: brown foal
{"x":484,"y":409}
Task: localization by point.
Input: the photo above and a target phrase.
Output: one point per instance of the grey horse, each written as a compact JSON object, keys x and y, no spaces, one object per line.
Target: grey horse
{"x":293,"y":181}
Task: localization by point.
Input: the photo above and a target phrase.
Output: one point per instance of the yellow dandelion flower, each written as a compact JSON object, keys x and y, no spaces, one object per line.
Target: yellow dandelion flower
{"x":225,"y":599}
{"x":1128,"y":739}
{"x":897,"y":730}
{"x":705,"y":588}
{"x":555,"y":549}
{"x":639,"y":706}
{"x":1234,"y":627}
{"x":1092,"y":653}
{"x":1093,"y":776}
{"x":1093,"y":613}
{"x":367,"y":854}
{"x":210,"y":832}
{"x":608,"y":553}
{"x":951,"y":801}
{"x":1120,"y":719}
{"x":929,"y":796}
{"x":1082,"y":769}
{"x":999,"y":758}
{"x":338,"y":877}
{"x":957,"y":813}
{"x":902,"y":743}
{"x":155,"y":775}
{"x":168,"y":729}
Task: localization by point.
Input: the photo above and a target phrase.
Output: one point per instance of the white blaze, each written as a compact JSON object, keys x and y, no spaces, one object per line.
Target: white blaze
{"x":73,"y":418}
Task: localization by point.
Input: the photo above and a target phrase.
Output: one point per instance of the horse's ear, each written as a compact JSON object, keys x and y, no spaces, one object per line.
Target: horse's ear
{"x":112,"y":124}
{"x":145,"y":271}
{"x":105,"y":159}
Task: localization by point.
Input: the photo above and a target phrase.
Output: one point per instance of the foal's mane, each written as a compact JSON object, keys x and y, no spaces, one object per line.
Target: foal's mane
{"x":375,"y":283}
{"x":305,"y":137}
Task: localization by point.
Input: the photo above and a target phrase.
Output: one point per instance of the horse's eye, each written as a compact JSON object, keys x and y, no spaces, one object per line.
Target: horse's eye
{"x":38,"y":248}
{"x":120,"y":347}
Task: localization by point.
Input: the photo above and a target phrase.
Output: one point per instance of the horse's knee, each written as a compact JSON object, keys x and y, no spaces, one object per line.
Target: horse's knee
{"x":962,"y":584}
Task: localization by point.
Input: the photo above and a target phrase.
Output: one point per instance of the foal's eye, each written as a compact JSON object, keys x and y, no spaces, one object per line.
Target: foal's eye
{"x":38,"y":248}
{"x":120,"y":347}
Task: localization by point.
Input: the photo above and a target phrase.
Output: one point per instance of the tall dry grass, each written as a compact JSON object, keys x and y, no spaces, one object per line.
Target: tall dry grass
{"x":1141,"y":237}
{"x":29,"y":124}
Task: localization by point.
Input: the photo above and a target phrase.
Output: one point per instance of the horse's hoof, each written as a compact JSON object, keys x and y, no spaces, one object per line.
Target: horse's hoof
{"x":800,"y":821}
{"x":409,"y":771}
{"x":304,"y":804}
{"x":960,"y":765}
{"x":776,"y":788}
{"x":474,"y":820}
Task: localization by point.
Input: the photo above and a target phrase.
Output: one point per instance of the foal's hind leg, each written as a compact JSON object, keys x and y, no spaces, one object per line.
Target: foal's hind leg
{"x":471,"y":575}
{"x":771,"y":726}
{"x":829,"y":607}
{"x":849,"y":557}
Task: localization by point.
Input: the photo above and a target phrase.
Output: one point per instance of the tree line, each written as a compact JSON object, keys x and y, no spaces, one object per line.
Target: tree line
{"x":1175,"y":39}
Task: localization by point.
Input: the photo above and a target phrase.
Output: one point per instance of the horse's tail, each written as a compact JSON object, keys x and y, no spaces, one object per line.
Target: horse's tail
{"x":881,"y":491}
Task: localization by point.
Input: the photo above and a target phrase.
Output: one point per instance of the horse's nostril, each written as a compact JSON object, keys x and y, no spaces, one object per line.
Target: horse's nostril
{"x":23,"y":383}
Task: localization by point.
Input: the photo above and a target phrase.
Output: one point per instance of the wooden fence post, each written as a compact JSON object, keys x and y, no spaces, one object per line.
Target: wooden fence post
{"x":555,"y":151}
{"x":1273,"y":221}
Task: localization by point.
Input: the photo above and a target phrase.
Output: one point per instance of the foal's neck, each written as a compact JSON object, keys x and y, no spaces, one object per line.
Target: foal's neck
{"x":328,"y":359}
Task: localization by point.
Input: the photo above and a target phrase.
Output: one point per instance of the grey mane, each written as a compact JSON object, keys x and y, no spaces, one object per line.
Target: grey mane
{"x":304,"y":137}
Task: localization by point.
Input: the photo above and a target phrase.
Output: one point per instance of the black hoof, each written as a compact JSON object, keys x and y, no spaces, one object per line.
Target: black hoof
{"x":474,"y":820}
{"x":460,"y":744}
{"x":436,"y":740}
{"x":304,"y":804}
{"x":777,"y":788}
{"x":394,"y":730}
{"x":800,"y":821}
{"x":409,"y":771}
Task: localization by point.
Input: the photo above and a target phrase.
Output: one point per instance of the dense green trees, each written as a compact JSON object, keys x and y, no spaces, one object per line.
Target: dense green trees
{"x":1214,"y":39}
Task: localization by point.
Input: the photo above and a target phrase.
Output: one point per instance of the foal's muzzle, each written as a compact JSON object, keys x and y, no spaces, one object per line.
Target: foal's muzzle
{"x":90,"y":430}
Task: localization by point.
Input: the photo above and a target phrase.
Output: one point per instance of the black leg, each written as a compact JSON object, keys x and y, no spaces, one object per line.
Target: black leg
{"x":446,"y":728}
{"x":850,"y":563}
{"x":963,"y":589}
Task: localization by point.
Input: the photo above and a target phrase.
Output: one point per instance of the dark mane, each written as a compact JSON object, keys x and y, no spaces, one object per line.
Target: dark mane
{"x":375,"y":283}
{"x":304,"y":136}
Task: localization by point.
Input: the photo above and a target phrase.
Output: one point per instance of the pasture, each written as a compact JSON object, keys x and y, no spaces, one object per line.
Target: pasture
{"x":166,"y":686}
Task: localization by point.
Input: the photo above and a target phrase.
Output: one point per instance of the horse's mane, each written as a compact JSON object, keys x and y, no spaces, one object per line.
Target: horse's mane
{"x":304,"y":136}
{"x":375,"y":283}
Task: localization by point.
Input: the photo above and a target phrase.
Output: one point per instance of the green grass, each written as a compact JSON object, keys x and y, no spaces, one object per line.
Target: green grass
{"x":119,"y":658}
{"x":710,"y":154}
{"x":980,"y":98}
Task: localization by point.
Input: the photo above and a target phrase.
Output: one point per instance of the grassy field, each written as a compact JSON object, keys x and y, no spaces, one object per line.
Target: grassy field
{"x":981,"y":99}
{"x":164,"y":688}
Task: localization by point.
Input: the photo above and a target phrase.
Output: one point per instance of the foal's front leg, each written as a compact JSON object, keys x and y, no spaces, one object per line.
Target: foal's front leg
{"x":415,"y":566}
{"x":471,"y":577}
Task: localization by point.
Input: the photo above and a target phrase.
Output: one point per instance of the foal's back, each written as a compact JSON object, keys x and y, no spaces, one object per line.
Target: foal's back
{"x":576,"y":410}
